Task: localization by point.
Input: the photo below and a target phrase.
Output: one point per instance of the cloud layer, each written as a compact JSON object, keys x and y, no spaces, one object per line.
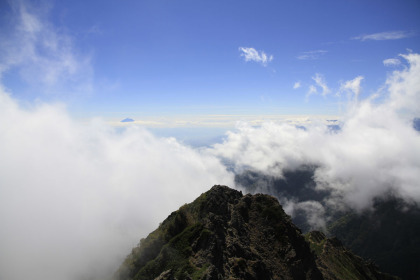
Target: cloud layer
{"x":75,"y":198}
{"x":376,"y":151}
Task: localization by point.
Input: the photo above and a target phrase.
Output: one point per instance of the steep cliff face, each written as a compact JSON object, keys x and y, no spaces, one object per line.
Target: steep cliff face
{"x":226,"y":235}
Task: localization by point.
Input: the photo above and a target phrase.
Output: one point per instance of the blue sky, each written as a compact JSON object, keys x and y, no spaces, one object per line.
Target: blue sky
{"x":187,"y":72}
{"x":148,"y":59}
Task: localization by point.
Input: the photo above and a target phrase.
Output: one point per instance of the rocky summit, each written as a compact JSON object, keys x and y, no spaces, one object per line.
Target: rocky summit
{"x":226,"y":235}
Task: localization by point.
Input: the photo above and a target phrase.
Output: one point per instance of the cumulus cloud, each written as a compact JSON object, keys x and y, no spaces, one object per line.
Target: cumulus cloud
{"x":391,"y":35}
{"x":376,"y":151}
{"x":251,"y":54}
{"x":311,"y":55}
{"x":75,"y":198}
{"x":44,"y":56}
{"x":392,"y":62}
{"x":404,"y":87}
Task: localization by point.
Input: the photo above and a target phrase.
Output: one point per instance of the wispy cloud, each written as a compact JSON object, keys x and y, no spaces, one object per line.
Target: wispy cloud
{"x":392,"y":62}
{"x":320,"y":81}
{"x":312,"y":90}
{"x":251,"y":54}
{"x":311,"y":55}
{"x":352,"y":87}
{"x":43,"y":55}
{"x":297,"y":85}
{"x":390,"y":35}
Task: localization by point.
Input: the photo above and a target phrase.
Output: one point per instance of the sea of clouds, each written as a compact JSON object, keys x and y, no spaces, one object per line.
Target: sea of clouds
{"x":79,"y":196}
{"x":76,"y":197}
{"x":376,"y":151}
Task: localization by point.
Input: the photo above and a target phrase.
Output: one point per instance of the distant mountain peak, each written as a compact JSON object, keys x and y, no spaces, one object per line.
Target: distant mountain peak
{"x":224,"y":234}
{"x":127,"y":120}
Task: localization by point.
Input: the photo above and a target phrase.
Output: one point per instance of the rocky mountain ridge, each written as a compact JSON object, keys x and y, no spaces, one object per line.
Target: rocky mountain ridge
{"x":387,"y":233}
{"x":226,"y":235}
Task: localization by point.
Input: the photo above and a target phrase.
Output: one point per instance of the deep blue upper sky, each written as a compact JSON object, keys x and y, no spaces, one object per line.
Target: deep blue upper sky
{"x":117,"y":59}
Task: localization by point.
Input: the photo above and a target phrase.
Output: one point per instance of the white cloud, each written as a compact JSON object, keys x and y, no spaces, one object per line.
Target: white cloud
{"x":297,"y":85}
{"x":75,"y":198}
{"x":352,"y":87}
{"x":314,"y":213}
{"x":311,"y":55}
{"x":404,"y":87}
{"x":312,"y":90}
{"x":251,"y":54}
{"x":320,"y":82}
{"x":391,"y":35}
{"x":392,"y":62}
{"x":375,"y":151}
{"x":45,"y":57}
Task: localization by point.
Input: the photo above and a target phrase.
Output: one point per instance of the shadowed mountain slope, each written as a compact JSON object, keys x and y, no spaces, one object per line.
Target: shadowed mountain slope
{"x":226,"y":235}
{"x":389,"y":234}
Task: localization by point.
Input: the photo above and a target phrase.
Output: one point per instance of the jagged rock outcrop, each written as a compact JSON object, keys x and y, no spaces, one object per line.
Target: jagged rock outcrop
{"x":226,"y":235}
